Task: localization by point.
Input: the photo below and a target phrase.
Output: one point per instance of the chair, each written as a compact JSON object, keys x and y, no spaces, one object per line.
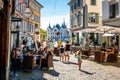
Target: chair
{"x":113,"y":57}
{"x":28,"y":63}
{"x":50,"y":61}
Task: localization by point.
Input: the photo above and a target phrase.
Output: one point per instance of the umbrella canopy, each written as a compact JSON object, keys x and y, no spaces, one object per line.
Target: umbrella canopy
{"x":108,"y":34}
{"x":89,"y":30}
{"x":101,"y":29}
{"x":108,"y":29}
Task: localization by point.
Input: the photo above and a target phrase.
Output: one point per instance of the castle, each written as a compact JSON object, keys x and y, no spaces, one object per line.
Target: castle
{"x":58,"y":32}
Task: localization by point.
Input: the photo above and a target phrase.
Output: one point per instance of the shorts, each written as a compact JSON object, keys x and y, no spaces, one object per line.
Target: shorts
{"x":61,"y":54}
{"x":67,"y":53}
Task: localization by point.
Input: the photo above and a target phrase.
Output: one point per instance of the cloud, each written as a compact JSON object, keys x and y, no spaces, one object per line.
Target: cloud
{"x":53,"y":20}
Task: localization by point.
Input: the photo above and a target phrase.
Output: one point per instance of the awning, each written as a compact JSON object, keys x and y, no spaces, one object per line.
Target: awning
{"x":108,"y":34}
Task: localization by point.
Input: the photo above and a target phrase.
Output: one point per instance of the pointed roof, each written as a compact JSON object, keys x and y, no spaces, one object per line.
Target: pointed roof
{"x":63,"y":25}
{"x":49,"y":27}
{"x":58,"y":26}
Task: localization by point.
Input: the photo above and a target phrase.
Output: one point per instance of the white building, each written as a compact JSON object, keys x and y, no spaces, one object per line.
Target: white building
{"x":58,"y":32}
{"x":111,"y":15}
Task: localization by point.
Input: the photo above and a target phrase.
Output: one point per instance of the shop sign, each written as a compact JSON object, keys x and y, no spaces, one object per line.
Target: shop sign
{"x":1,"y":4}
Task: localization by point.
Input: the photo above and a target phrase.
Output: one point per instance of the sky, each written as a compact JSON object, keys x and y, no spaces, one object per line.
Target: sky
{"x":54,"y":12}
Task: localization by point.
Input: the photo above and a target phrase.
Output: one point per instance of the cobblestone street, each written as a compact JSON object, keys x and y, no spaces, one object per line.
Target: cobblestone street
{"x":64,"y":71}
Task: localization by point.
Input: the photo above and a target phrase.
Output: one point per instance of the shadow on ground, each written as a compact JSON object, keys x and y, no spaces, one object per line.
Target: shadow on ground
{"x":56,"y":60}
{"x":86,"y":72}
{"x":70,"y":63}
{"x":36,"y":74}
{"x":51,"y":72}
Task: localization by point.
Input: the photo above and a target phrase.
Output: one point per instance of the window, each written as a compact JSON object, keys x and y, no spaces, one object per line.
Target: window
{"x":113,"y":10}
{"x":93,"y":2}
{"x":72,"y":8}
{"x":79,"y":18}
{"x":93,"y":18}
{"x":75,"y":5}
{"x":78,"y":3}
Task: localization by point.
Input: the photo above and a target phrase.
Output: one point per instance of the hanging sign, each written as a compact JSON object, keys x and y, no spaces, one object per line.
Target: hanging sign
{"x":1,"y":4}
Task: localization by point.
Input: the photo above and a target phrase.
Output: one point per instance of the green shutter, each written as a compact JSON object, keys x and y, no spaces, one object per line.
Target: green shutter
{"x":97,"y":18}
{"x":89,"y":17}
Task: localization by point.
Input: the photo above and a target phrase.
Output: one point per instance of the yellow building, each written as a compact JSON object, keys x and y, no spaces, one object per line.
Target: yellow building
{"x":34,"y":20}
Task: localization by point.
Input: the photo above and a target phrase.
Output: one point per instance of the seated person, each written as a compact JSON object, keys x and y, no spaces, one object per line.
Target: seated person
{"x":109,"y":52}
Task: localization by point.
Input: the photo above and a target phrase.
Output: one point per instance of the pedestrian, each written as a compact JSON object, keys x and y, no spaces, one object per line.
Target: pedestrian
{"x":78,"y":55}
{"x":61,"y":53}
{"x":67,"y":51}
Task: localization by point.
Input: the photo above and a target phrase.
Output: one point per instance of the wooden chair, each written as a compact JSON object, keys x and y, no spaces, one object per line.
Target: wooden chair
{"x":50,"y":61}
{"x":28,"y":63}
{"x":113,"y":57}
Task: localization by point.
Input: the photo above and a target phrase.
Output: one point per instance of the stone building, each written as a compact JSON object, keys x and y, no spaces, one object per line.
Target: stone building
{"x":111,"y":16}
{"x":85,"y":14}
{"x":29,"y":25}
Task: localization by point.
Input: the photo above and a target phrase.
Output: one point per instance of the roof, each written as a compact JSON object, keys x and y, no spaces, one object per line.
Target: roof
{"x":72,"y":1}
{"x":63,"y":25}
{"x":38,"y":3}
{"x":49,"y":27}
{"x":58,"y":26}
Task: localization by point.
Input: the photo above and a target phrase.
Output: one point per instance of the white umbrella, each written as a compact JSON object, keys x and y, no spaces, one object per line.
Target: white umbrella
{"x":108,"y":29}
{"x":89,"y":30}
{"x":108,"y":34}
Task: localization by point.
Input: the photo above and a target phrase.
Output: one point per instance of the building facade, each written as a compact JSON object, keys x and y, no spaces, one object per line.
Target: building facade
{"x":58,"y":32}
{"x":85,"y":14}
{"x":111,"y":16}
{"x":34,"y":20}
{"x":29,"y":25}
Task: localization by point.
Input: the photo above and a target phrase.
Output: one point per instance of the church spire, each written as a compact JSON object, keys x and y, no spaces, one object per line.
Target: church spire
{"x":63,"y":25}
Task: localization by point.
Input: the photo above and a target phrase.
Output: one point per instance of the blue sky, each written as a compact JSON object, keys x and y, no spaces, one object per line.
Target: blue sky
{"x":53,"y":12}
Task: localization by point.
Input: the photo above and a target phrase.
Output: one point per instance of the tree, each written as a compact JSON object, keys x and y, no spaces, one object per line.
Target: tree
{"x":43,"y":34}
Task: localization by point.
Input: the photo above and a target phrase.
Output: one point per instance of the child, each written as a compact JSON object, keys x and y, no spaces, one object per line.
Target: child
{"x":78,"y":56}
{"x":61,"y":53}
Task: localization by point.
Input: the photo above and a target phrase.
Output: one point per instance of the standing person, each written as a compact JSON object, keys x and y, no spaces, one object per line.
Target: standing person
{"x":61,"y":53}
{"x":78,"y":56}
{"x":67,"y":51}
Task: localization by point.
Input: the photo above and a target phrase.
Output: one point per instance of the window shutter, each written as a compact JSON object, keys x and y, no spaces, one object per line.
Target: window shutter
{"x":97,"y":18}
{"x":116,"y":9}
{"x":89,"y":17}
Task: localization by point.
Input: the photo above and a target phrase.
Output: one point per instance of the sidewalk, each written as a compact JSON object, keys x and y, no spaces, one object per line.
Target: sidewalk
{"x":64,"y":71}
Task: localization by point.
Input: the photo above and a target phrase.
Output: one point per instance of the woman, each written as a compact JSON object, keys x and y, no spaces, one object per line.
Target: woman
{"x":112,"y":51}
{"x":67,"y":51}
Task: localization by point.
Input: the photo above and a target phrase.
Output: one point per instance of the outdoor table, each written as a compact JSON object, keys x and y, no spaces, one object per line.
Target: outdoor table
{"x":75,"y":48}
{"x":98,"y":57}
{"x":86,"y":52}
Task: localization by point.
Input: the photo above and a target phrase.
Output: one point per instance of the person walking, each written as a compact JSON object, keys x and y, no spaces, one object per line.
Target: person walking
{"x":79,"y":58}
{"x":61,"y":53}
{"x":67,"y":51}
